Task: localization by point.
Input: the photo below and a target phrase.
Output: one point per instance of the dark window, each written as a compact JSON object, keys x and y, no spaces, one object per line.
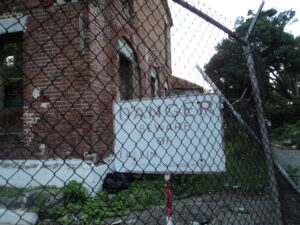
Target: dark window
{"x":11,"y":83}
{"x":153,"y":81}
{"x":127,"y":6}
{"x":125,"y":78}
{"x":12,"y":75}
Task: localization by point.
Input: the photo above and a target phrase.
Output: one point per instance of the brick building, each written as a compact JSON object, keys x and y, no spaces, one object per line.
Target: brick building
{"x":77,"y":57}
{"x":179,"y":86}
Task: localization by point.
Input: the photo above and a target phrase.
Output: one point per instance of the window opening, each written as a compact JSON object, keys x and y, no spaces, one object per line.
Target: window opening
{"x":128,"y":8}
{"x":125,"y":78}
{"x":11,"y":85}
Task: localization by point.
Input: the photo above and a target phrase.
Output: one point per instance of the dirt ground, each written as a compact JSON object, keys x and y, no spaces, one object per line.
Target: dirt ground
{"x":224,"y":208}
{"x":230,"y":207}
{"x":290,"y":201}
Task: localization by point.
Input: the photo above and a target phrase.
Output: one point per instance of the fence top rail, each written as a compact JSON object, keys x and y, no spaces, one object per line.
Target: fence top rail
{"x":210,"y":20}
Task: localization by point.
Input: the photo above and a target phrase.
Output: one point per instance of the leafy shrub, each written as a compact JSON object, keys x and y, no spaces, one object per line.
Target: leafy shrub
{"x":74,"y":192}
{"x":288,"y":131}
{"x":293,"y":172}
{"x":245,"y":167}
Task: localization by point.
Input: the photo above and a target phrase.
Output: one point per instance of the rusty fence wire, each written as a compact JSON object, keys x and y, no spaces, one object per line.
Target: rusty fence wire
{"x":105,"y":119}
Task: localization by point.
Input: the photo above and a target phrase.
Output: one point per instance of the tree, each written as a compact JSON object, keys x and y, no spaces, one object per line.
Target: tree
{"x":276,"y":51}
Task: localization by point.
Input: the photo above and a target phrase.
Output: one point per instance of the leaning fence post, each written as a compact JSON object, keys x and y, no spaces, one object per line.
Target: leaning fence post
{"x":263,"y":131}
{"x":261,"y":117}
{"x":230,"y":106}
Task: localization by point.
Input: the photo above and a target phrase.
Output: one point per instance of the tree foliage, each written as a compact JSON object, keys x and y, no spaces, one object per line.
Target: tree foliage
{"x":276,"y":51}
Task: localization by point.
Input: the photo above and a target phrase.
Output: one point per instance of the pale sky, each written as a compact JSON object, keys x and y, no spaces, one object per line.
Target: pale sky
{"x":235,"y":8}
{"x":194,"y":40}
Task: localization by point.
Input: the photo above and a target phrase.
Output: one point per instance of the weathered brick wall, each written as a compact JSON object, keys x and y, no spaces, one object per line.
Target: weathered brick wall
{"x":153,"y":26}
{"x":54,"y":79}
{"x":54,"y":69}
{"x":68,"y":96}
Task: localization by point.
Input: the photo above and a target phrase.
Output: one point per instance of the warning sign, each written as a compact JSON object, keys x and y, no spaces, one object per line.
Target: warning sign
{"x":169,"y":135}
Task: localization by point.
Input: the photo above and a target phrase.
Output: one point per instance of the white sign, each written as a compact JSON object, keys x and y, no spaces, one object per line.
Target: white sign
{"x":169,"y":135}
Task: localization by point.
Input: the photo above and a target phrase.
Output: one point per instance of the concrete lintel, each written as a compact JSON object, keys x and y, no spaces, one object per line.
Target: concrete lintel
{"x":13,"y":25}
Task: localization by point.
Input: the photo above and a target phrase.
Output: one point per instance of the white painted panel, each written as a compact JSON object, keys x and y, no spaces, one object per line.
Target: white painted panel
{"x":176,"y":134}
{"x":12,"y":25}
{"x":57,"y":172}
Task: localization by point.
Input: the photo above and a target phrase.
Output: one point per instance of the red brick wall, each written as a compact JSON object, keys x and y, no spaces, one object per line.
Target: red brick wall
{"x":72,"y":117}
{"x":53,"y":65}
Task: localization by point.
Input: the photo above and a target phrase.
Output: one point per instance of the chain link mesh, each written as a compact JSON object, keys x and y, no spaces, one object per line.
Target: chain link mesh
{"x":91,"y":118}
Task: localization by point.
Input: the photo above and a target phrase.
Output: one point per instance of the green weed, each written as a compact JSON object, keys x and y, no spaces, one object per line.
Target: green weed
{"x":288,"y":131}
{"x":293,"y":172}
{"x":245,"y":168}
{"x":12,"y":191}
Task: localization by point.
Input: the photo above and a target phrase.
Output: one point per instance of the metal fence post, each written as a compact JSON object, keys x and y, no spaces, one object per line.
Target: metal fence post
{"x":263,"y":131}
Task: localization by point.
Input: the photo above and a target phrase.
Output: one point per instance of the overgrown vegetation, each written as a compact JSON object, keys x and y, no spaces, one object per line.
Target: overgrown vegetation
{"x":277,"y":64}
{"x":77,"y":206}
{"x":245,"y":170}
{"x":12,"y":191}
{"x":293,"y":172}
{"x":287,"y":131}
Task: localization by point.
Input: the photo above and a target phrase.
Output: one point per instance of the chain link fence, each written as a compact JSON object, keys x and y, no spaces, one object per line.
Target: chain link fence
{"x":96,"y":129}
